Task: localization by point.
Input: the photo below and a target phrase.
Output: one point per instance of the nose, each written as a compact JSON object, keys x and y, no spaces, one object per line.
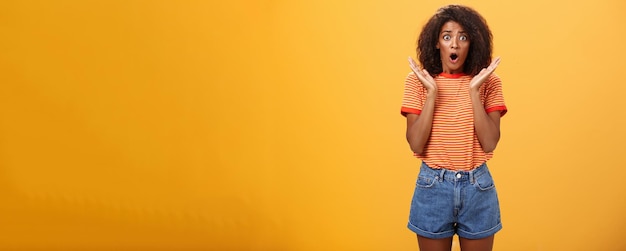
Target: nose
{"x":454,"y":44}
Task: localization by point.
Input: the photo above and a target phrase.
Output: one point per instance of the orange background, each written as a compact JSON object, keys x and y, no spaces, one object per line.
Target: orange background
{"x":275,"y":125}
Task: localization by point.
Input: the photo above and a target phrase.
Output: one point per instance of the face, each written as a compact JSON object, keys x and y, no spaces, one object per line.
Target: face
{"x":453,"y":46}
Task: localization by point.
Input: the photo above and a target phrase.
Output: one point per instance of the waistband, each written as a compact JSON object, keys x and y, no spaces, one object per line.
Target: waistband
{"x":451,"y":175}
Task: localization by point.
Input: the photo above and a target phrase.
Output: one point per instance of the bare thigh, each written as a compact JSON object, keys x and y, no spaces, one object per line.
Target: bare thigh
{"x":427,"y":244}
{"x":484,"y":244}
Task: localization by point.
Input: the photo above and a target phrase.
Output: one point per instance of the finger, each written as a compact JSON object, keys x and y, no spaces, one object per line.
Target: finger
{"x":420,"y":75}
{"x":413,"y":65}
{"x":428,"y":77}
{"x":412,"y":62}
{"x":423,"y":75}
{"x":483,"y":71}
{"x":495,"y":62}
{"x":417,"y":72}
{"x":492,"y":67}
{"x":416,"y":69}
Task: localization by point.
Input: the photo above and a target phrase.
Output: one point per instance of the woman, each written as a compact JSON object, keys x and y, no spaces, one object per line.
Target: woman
{"x":453,"y":107}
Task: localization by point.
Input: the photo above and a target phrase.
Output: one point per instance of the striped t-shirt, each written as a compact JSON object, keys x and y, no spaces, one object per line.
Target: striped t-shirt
{"x":453,"y":143}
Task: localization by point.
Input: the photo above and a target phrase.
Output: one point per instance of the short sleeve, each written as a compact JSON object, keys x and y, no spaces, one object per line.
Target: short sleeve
{"x":414,"y":96}
{"x":493,"y":98}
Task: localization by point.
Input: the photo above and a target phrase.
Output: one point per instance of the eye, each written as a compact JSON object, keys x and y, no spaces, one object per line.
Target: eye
{"x":446,"y":37}
{"x":463,"y":38}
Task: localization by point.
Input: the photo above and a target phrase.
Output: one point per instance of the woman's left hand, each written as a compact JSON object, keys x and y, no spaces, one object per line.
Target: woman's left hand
{"x":482,"y":76}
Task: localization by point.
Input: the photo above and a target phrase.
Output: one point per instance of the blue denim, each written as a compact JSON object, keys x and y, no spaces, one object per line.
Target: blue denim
{"x":447,"y":202}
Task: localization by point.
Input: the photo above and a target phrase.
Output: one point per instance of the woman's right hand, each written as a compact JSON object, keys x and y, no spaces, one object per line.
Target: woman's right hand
{"x":424,"y":77}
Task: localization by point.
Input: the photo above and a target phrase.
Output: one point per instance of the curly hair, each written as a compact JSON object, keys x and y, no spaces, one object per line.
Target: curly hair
{"x":479,"y":53}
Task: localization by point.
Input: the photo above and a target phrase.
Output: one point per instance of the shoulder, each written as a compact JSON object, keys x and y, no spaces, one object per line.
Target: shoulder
{"x":493,"y":82}
{"x":413,"y":82}
{"x":411,"y":77}
{"x":494,"y":79}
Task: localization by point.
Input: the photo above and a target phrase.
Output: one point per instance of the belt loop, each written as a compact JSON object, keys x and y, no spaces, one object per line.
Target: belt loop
{"x":441,"y":175}
{"x":471,"y":175}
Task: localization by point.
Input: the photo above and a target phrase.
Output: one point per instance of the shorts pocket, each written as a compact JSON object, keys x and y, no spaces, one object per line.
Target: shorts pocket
{"x":484,"y":182}
{"x":426,"y":181}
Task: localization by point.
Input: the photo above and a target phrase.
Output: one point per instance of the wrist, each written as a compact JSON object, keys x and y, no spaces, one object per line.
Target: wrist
{"x":431,"y":93}
{"x":474,"y":94}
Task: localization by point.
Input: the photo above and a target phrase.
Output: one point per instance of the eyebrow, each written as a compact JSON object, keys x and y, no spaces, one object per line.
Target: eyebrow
{"x":449,"y":31}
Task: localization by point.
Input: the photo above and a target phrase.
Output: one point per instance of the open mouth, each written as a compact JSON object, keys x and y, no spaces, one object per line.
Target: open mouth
{"x":453,"y":56}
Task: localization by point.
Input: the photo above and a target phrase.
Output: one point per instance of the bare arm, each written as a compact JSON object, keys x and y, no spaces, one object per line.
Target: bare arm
{"x":487,"y":125}
{"x":418,"y":127}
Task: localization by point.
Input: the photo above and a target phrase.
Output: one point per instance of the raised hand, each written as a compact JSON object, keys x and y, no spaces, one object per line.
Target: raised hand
{"x":482,"y":76}
{"x":424,"y":77}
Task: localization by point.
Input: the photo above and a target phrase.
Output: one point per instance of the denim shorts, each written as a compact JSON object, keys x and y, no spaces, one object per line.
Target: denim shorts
{"x":447,"y":202}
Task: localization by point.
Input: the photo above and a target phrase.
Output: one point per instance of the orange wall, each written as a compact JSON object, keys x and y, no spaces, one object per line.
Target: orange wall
{"x":275,"y":125}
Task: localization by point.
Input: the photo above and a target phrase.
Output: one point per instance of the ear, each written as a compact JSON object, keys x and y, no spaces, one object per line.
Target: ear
{"x":437,"y":46}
